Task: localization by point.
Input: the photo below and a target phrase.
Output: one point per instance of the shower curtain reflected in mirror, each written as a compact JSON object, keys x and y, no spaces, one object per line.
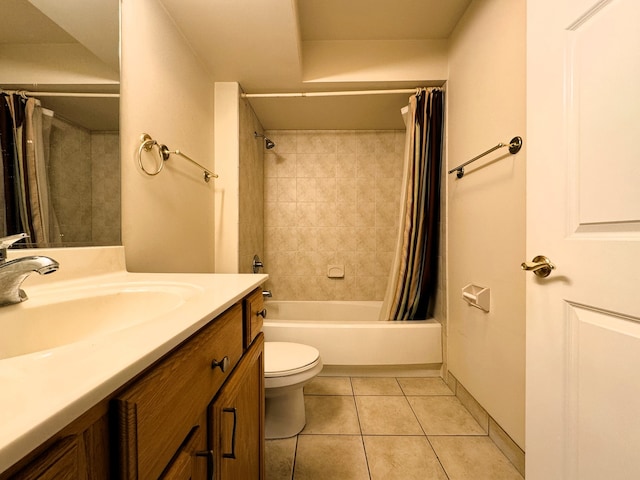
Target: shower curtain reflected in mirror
{"x":413,"y":280}
{"x":24,"y":140}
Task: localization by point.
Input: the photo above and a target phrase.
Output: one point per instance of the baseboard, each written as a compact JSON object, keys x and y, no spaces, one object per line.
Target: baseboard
{"x":424,"y":370}
{"x":503,"y":441}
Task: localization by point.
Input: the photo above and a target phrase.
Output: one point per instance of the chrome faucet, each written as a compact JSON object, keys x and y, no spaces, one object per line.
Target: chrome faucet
{"x":14,"y":272}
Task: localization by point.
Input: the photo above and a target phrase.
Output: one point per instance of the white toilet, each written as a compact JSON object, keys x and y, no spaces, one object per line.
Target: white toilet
{"x":287,"y":368}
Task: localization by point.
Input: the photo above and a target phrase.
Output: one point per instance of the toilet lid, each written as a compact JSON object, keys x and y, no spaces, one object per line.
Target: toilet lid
{"x":284,"y":358}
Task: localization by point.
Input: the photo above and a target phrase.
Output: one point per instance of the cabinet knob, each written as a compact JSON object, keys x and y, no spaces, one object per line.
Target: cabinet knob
{"x":262,"y":313}
{"x":223,"y":364}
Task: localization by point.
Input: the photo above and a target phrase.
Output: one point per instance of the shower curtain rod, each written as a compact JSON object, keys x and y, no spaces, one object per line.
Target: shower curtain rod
{"x":61,"y":94}
{"x":332,"y":94}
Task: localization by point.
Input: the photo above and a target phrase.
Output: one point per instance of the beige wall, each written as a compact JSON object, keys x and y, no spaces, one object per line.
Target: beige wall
{"x":227,"y":191}
{"x":167,"y":220}
{"x":331,"y":197}
{"x":486,"y":208}
{"x":239,"y":193}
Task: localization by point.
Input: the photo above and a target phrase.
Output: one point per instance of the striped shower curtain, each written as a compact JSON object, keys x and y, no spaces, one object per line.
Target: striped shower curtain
{"x":24,"y":146}
{"x":413,"y":280}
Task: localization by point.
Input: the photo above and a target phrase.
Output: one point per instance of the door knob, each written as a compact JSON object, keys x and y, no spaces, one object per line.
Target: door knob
{"x":540,"y":265}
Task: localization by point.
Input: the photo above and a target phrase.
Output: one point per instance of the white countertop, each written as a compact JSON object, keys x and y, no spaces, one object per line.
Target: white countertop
{"x":41,"y":393}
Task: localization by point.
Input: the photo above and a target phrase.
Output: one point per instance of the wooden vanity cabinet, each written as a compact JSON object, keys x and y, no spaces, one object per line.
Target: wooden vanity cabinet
{"x":79,"y":451}
{"x":189,"y":461}
{"x":60,"y":461}
{"x":197,"y":413}
{"x":157,"y":413}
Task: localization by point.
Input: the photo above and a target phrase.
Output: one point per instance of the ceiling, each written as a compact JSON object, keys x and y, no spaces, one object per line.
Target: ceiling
{"x":321,"y":45}
{"x":378,"y":19}
{"x":77,"y":25}
{"x":279,"y":46}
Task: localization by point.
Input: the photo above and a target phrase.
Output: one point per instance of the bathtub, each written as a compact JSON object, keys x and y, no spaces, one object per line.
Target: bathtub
{"x":350,"y":334}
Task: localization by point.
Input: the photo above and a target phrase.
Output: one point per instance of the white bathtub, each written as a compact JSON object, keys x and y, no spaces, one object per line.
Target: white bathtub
{"x":349,"y":333}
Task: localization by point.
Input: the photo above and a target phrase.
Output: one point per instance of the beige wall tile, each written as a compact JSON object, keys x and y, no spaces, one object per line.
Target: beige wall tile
{"x":346,"y":207}
{"x":507,"y":446}
{"x":474,"y":408}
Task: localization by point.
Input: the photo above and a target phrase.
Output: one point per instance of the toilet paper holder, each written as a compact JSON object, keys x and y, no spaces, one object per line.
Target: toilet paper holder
{"x":476,"y":296}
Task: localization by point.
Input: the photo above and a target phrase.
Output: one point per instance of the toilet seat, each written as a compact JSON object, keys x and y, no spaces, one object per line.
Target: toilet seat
{"x":285,"y":358}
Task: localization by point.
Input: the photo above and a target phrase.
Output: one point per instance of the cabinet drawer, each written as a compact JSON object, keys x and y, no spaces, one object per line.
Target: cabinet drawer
{"x":157,"y":413}
{"x":253,"y":311}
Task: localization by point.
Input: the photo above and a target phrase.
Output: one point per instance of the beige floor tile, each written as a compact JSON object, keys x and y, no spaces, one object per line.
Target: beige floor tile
{"x":279,"y":455}
{"x":375,"y":386}
{"x":386,"y":415}
{"x":329,"y":386}
{"x":328,"y":457}
{"x":331,"y":415}
{"x":402,"y":458}
{"x":473,"y":458}
{"x":444,"y":415}
{"x":424,"y":386}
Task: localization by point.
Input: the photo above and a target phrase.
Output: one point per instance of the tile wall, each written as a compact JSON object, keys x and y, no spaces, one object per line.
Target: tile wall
{"x":331,"y":198}
{"x":70,"y":180}
{"x":84,"y":174}
{"x":105,"y":188}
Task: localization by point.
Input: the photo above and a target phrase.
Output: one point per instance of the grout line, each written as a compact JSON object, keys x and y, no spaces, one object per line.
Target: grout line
{"x":437,"y":457}
{"x":362,"y":435}
{"x":366,"y":457}
{"x":295,"y":455}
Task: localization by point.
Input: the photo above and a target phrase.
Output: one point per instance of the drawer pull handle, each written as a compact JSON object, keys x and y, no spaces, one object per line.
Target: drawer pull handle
{"x":262,"y":313}
{"x":210,"y":464}
{"x":223,"y":364}
{"x":233,"y":435}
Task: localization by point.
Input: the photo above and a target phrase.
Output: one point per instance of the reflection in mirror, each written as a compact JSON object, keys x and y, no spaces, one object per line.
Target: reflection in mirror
{"x":59,"y":75}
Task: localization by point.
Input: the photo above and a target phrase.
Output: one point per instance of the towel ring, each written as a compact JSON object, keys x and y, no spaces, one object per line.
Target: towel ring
{"x":147,"y":145}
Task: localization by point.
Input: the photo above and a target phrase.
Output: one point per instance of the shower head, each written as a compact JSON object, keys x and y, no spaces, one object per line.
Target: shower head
{"x":267,"y":142}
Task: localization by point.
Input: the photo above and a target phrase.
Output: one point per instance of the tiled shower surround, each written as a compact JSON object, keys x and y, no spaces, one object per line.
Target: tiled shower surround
{"x":84,"y":175}
{"x":331,"y":198}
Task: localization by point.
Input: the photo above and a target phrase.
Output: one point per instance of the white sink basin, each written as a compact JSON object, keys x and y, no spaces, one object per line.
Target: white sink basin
{"x":63,"y":317}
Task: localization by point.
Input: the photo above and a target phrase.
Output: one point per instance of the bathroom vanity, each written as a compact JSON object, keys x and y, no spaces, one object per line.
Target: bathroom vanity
{"x":189,"y":403}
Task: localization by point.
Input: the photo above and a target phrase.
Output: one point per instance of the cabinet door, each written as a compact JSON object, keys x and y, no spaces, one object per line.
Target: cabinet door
{"x":190,"y":463}
{"x":61,"y":462}
{"x":237,"y":419}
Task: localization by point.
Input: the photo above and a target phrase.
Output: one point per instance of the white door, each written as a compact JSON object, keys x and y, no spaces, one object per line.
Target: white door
{"x":583,"y":213}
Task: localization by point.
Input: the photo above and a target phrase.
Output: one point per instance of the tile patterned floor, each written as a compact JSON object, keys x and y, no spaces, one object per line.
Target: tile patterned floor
{"x":384,"y":429}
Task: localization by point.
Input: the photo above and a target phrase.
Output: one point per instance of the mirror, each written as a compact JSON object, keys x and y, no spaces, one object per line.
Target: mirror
{"x":66,"y":55}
